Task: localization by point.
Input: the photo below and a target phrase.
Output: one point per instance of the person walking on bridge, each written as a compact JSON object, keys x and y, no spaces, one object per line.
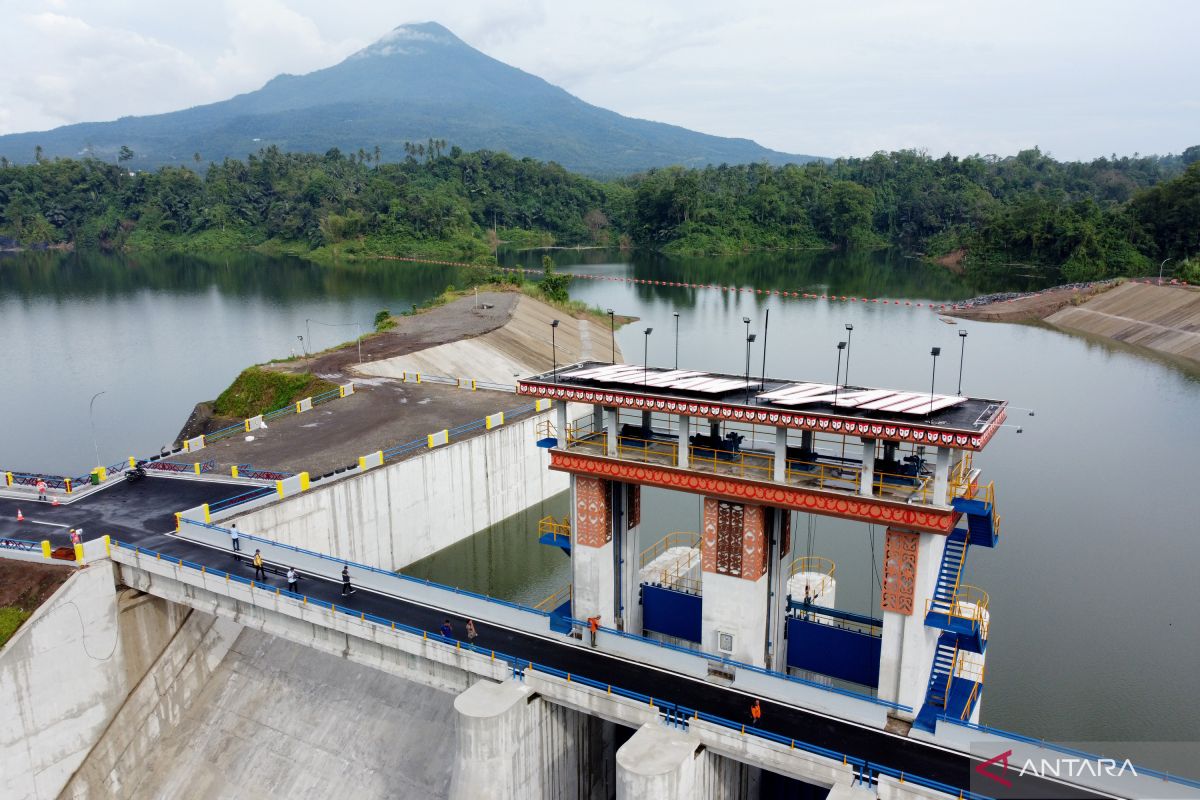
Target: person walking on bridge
{"x":347,"y":589}
{"x":259,"y":571}
{"x":471,"y":632}
{"x":755,"y":712}
{"x":447,"y":630}
{"x":293,"y":578}
{"x":237,"y":544}
{"x":41,"y":487}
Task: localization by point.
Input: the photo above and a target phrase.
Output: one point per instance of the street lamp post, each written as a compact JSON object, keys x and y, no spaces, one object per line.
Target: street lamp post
{"x":92,"y":420}
{"x":612,"y":328}
{"x":935,"y":352}
{"x":646,"y":355}
{"x":962,"y":337}
{"x":849,"y":335}
{"x":303,"y":346}
{"x":554,"y":348}
{"x":749,"y":341}
{"x":837,"y":381}
{"x":1160,"y":268}
{"x":676,"y":340}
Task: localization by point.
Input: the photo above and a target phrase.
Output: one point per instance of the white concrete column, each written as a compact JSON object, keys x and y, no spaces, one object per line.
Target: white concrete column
{"x":866,"y":483}
{"x":780,"y":472}
{"x":592,"y":568}
{"x":658,"y":762}
{"x":734,"y":581}
{"x":906,"y":652}
{"x":493,"y":732}
{"x":627,"y":537}
{"x":560,"y":408}
{"x":610,"y":424}
{"x":941,"y":475}
{"x":685,"y":431}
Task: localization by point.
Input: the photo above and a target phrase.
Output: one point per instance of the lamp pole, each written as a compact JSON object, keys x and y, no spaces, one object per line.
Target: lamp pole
{"x":962,"y":337}
{"x":837,"y":381}
{"x":554,"y":348}
{"x":935,"y":352}
{"x":646,"y":355}
{"x":303,"y":346}
{"x":849,"y":335}
{"x":766,"y":324}
{"x":612,"y":329}
{"x":1160,"y":268}
{"x":749,"y":340}
{"x":676,"y":340}
{"x":92,"y":419}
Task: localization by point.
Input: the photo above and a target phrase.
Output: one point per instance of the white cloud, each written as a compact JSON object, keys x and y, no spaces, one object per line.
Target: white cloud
{"x":1079,"y":79}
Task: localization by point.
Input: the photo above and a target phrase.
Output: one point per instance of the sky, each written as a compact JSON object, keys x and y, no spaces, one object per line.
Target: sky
{"x":832,"y":78}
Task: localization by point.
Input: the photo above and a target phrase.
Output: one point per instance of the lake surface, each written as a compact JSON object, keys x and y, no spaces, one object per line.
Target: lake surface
{"x":1094,"y":593}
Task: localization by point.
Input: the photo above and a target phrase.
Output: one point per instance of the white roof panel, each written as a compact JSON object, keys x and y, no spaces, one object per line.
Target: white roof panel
{"x":855,"y":399}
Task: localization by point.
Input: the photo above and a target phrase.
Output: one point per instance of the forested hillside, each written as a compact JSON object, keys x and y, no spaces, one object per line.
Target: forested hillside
{"x":1075,"y":220}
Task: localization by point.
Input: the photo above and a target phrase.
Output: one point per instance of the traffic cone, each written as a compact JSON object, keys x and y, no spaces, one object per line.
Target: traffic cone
{"x":55,"y":500}
{"x":20,"y":516}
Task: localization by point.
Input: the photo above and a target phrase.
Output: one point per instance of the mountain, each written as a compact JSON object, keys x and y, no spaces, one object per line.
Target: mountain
{"x":417,"y":82}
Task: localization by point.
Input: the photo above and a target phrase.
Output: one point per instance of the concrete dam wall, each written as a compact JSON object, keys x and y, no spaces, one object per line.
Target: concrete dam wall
{"x":400,"y":513}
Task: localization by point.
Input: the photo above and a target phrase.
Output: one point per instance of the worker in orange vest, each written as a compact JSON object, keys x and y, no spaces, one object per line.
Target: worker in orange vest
{"x":755,"y":712}
{"x":594,"y":626}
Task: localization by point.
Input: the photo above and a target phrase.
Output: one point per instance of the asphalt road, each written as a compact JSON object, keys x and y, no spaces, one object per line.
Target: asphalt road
{"x":142,"y":513}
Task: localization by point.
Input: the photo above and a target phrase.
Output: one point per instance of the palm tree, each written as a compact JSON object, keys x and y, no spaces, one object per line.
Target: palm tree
{"x":37,"y":154}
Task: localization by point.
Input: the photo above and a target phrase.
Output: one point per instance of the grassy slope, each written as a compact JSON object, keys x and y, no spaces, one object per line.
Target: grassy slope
{"x":259,"y":390}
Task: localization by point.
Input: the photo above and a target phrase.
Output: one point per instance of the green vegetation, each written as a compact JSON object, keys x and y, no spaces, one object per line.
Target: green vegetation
{"x":384,"y":321}
{"x":257,"y":390}
{"x":11,"y":618}
{"x":1006,"y":217}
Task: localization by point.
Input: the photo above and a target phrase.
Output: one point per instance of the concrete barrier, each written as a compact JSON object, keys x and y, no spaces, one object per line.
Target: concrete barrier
{"x":494,"y":420}
{"x":437,"y":439}
{"x":371,"y":460}
{"x":192,"y":445}
{"x":254,"y":423}
{"x":304,"y":405}
{"x":345,"y":390}
{"x":199,"y":514}
{"x":291,"y":486}
{"x":542,"y":404}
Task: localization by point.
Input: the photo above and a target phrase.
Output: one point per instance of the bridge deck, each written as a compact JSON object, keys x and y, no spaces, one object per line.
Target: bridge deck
{"x":142,"y":513}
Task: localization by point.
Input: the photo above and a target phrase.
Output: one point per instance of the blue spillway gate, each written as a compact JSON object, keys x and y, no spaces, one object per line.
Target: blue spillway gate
{"x":833,"y":651}
{"x":671,"y":612}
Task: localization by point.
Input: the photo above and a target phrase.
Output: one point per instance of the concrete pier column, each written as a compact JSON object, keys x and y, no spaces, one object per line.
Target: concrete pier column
{"x":560,"y":409}
{"x":669,"y":764}
{"x":646,"y":420}
{"x":493,"y":743}
{"x":592,"y":563}
{"x":597,"y":418}
{"x":657,"y":762}
{"x":610,"y":424}
{"x":734,"y":581}
{"x":943,"y":456}
{"x":866,"y":483}
{"x":513,"y":744}
{"x":806,"y":441}
{"x":910,"y":567}
{"x":627,"y":521}
{"x":780,"y":472}
{"x":685,"y":431}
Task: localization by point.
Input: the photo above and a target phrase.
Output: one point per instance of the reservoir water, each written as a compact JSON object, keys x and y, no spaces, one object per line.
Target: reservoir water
{"x":1095,"y":635}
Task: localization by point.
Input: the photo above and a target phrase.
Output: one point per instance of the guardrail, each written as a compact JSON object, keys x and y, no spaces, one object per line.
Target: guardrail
{"x":254,"y":473}
{"x":462,"y":383}
{"x":23,"y":545}
{"x":672,"y":713}
{"x":196,"y":467}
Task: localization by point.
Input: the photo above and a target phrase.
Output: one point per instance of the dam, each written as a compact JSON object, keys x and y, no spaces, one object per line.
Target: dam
{"x":639,"y":683}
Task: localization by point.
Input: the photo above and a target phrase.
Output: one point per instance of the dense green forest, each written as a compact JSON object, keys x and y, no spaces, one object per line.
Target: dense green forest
{"x":1111,"y":216}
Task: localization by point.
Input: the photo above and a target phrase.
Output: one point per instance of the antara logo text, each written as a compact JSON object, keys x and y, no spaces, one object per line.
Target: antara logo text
{"x":1063,"y":767}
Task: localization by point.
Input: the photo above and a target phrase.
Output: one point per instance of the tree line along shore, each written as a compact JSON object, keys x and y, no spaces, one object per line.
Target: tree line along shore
{"x":986,"y":215}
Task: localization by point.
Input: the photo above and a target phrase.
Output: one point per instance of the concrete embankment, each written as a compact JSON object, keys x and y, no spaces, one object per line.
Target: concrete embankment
{"x":66,"y":673}
{"x":1165,"y":319}
{"x":1162,"y":318}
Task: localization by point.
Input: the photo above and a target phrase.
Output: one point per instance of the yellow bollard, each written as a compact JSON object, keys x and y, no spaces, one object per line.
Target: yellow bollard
{"x":45,"y":549}
{"x":79,"y":554}
{"x":132,"y":462}
{"x":233,"y":471}
{"x":67,"y":481}
{"x":473,"y":385}
{"x":107,"y":545}
{"x":207,"y":515}
{"x":196,"y":467}
{"x":178,"y":520}
{"x":304,"y":481}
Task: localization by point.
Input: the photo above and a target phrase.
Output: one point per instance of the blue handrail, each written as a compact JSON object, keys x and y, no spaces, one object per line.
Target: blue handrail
{"x":20,"y":544}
